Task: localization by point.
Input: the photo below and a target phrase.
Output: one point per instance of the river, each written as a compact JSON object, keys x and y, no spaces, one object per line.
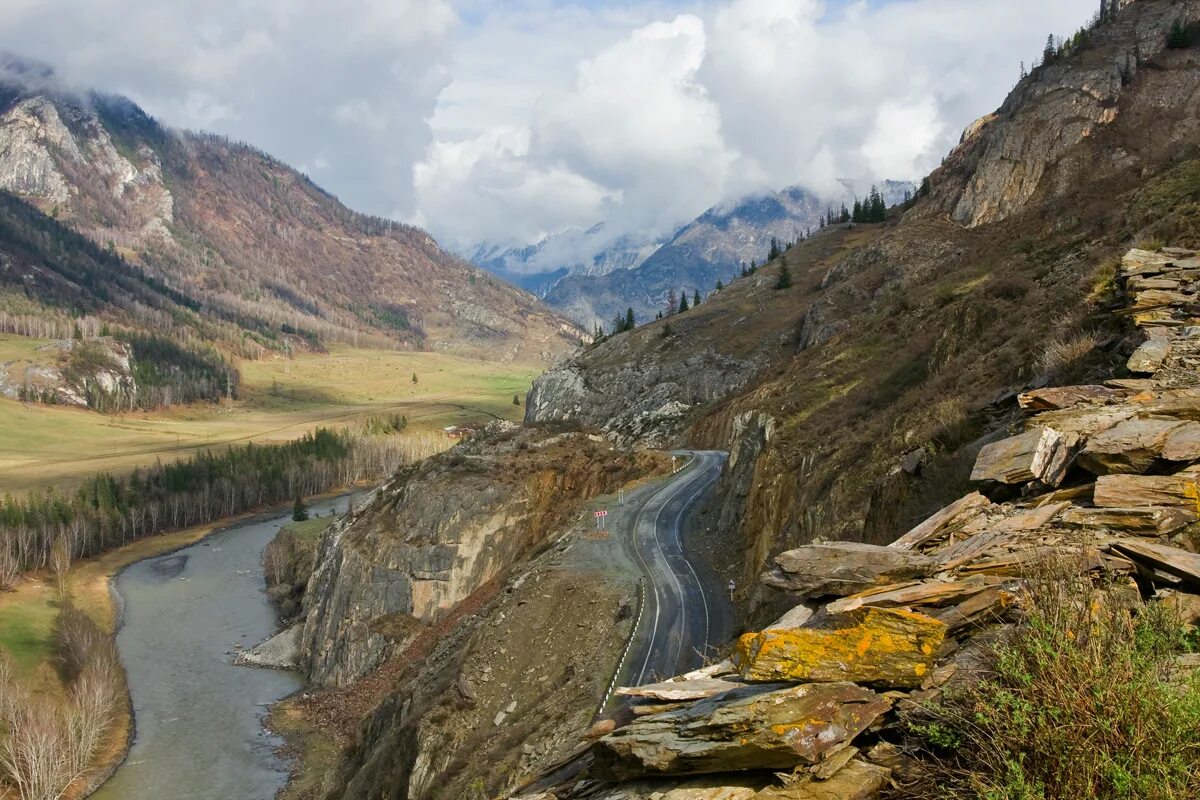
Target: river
{"x":198,"y":718}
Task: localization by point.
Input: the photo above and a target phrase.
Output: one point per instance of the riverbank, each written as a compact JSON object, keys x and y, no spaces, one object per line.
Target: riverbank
{"x":27,"y":617}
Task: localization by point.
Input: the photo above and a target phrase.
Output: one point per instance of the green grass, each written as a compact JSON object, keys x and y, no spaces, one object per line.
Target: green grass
{"x":281,"y":400}
{"x":309,"y":530}
{"x":26,"y":625}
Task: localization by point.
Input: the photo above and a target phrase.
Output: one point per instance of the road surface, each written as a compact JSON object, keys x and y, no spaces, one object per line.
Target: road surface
{"x":685,"y":611}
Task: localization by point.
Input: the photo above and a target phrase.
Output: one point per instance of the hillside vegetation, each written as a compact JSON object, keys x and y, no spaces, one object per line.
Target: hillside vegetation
{"x":854,"y":401}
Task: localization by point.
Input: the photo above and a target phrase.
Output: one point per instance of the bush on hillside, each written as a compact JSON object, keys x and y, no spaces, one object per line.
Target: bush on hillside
{"x":1083,"y":699}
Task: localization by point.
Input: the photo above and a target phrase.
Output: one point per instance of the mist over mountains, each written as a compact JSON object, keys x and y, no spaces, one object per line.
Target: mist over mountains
{"x":592,"y":286}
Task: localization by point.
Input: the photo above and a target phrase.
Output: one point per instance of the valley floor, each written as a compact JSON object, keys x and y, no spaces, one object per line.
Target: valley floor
{"x":280,"y":400}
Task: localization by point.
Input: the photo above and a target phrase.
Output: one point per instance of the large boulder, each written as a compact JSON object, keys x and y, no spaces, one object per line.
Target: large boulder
{"x":842,"y":568}
{"x":885,"y":647}
{"x":1130,"y":446}
{"x":1039,"y":454}
{"x":1140,"y":491}
{"x":759,"y":727}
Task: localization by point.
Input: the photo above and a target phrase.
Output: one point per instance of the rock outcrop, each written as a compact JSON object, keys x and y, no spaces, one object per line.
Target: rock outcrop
{"x":440,"y":530}
{"x":909,"y":617}
{"x":73,"y":372}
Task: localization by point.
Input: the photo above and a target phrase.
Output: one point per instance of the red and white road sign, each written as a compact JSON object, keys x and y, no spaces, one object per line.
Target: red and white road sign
{"x":601,"y":513}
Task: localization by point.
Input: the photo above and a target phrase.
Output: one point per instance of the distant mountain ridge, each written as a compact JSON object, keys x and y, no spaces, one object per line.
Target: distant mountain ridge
{"x":248,"y":239}
{"x":537,"y":267}
{"x":710,"y":248}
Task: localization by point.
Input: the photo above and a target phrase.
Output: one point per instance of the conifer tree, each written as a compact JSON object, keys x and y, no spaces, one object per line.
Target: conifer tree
{"x":695,"y":298}
{"x":720,"y":285}
{"x":785,"y":276}
{"x":683,"y":303}
{"x":672,"y":302}
{"x":299,"y":510}
{"x":630,"y":322}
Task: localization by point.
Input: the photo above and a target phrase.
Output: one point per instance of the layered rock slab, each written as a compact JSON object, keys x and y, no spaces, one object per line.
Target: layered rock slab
{"x":842,"y":568}
{"x":760,"y":727}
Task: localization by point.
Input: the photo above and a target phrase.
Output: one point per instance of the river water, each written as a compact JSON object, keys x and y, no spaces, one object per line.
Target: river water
{"x":199,"y":719}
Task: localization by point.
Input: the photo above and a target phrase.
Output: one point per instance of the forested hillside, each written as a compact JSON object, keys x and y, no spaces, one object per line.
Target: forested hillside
{"x":271,"y":260}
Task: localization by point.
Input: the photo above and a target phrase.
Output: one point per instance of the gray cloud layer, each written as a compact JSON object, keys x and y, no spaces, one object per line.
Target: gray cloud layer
{"x":509,"y":121}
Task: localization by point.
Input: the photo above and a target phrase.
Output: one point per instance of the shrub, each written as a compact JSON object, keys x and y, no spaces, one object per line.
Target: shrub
{"x":1065,"y":350}
{"x":1080,"y":700}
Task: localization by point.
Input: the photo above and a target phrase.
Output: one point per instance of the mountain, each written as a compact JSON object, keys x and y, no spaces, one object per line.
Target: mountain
{"x":710,"y":248}
{"x":538,"y":267}
{"x":272,"y":261}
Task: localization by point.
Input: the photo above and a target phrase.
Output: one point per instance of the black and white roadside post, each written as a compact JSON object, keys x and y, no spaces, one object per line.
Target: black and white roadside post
{"x":732,"y":588}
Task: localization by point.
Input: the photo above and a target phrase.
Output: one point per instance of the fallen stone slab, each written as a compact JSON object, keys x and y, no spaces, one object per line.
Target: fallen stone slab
{"x":1130,"y":446}
{"x":1183,"y":443}
{"x":971,"y":548}
{"x":1159,"y":298}
{"x":928,"y":593}
{"x":857,"y":780}
{"x":697,"y":689}
{"x":723,"y":667}
{"x":841,"y":568}
{"x":1148,"y":358}
{"x":885,"y":647}
{"x":797,"y":617}
{"x":1055,"y":398}
{"x":1138,"y":283}
{"x":1184,"y":604}
{"x":1133,"y":384}
{"x":1138,"y":491}
{"x":987,"y":607}
{"x":1040,"y":454}
{"x":281,"y":651}
{"x":952,"y":517}
{"x":758,"y":727}
{"x":1170,"y":560}
{"x":1153,"y":520}
{"x":1144,"y":262}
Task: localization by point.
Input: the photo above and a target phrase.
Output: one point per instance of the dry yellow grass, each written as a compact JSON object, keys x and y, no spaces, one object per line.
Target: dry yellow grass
{"x":281,"y":399}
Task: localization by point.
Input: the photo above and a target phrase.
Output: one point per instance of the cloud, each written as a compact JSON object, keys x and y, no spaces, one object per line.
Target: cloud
{"x":509,"y":121}
{"x":682,"y":110}
{"x":349,"y":85}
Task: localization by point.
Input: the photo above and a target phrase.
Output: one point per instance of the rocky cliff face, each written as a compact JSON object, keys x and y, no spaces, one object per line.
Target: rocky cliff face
{"x":439,"y":531}
{"x":1031,"y":144}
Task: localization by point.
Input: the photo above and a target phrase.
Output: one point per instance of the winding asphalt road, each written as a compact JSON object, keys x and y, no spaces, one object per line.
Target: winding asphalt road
{"x":686,"y":608}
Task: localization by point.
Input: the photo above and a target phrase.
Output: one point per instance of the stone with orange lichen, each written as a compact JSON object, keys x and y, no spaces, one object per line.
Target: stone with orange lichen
{"x":886,"y":647}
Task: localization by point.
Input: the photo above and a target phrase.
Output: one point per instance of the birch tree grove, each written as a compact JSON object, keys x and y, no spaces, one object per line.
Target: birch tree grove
{"x":49,"y":742}
{"x":109,"y":512}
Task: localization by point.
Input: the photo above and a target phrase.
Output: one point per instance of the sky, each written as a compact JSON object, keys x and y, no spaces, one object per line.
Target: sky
{"x":505,"y":121}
